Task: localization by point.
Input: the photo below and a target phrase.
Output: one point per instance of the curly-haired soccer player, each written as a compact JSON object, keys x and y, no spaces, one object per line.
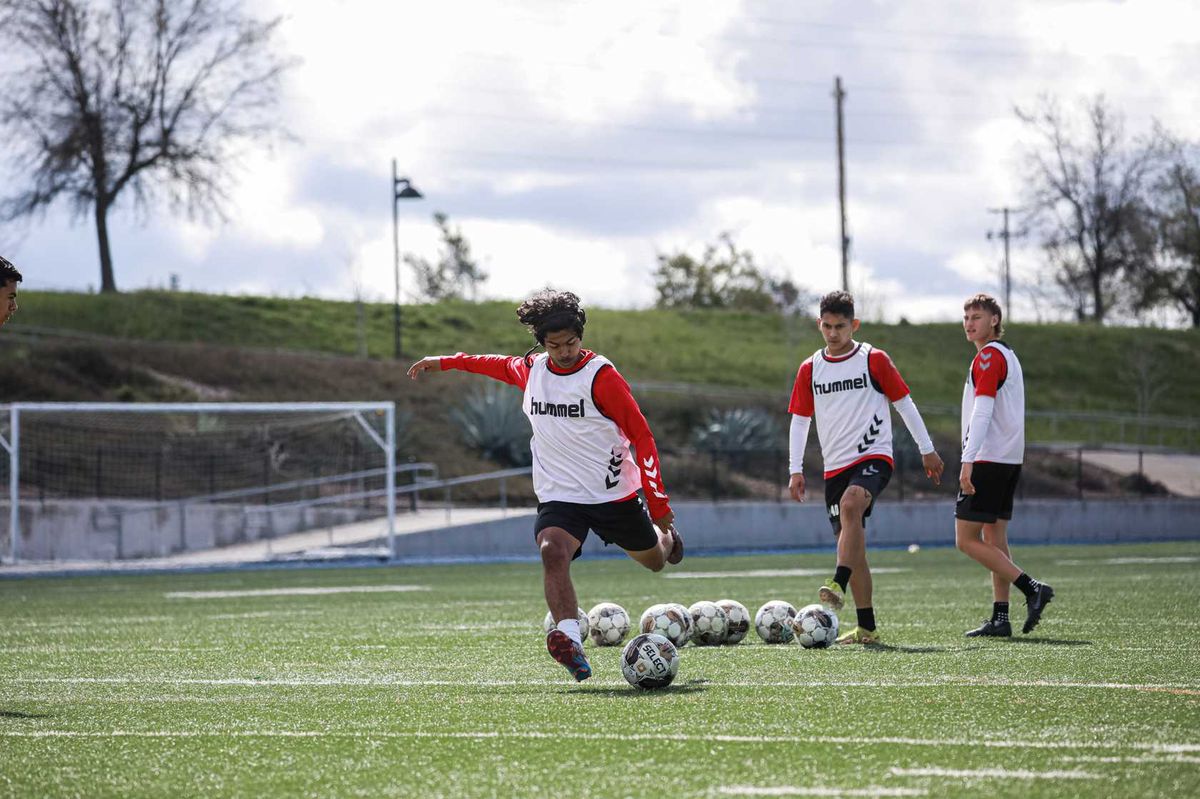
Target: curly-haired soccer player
{"x":9,"y":278}
{"x":584,"y":420}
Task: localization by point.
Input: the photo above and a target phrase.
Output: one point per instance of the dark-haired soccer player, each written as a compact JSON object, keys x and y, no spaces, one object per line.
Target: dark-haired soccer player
{"x":993,"y":431}
{"x":847,"y":385}
{"x":584,"y":422}
{"x":9,"y":278}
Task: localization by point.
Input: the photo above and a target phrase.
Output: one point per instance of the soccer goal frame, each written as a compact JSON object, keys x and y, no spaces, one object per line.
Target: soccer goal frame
{"x":386,"y":442}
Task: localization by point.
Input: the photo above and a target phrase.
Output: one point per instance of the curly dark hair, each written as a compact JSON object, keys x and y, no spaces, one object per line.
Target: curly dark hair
{"x":549,"y":311}
{"x":838,"y":302}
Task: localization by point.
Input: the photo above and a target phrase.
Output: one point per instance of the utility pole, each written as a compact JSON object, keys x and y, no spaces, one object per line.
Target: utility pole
{"x":1006,"y":236}
{"x":839,"y":96}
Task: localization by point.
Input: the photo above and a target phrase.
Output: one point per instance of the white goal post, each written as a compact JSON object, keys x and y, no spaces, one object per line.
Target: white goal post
{"x":166,"y":477}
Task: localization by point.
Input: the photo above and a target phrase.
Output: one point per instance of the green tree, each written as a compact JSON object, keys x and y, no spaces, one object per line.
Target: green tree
{"x":723,"y":277}
{"x":106,"y":99}
{"x":455,"y":274}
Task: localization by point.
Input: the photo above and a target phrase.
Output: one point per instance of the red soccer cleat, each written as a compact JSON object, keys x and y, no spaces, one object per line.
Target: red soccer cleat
{"x":569,"y":654}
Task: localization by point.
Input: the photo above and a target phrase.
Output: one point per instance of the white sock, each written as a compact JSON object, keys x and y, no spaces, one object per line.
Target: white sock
{"x":571,"y":628}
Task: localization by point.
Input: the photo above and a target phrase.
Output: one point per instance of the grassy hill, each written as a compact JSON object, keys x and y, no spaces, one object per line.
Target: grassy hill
{"x":1067,"y":367}
{"x":155,"y":346}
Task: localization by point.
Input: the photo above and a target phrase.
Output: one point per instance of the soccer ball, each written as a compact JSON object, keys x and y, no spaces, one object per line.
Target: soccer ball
{"x":816,"y":626}
{"x":773,"y":622}
{"x":687,"y":617}
{"x":548,"y":623}
{"x":737,"y":618}
{"x":668,"y":621}
{"x":649,"y":661}
{"x":709,"y":624}
{"x":607,"y":624}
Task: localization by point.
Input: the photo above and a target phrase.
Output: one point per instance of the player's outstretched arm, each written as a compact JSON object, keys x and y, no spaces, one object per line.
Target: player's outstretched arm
{"x":427,"y":364}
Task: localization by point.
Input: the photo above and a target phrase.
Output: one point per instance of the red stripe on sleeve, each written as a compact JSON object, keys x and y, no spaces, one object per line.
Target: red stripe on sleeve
{"x":988,"y":371}
{"x":801,"y":403}
{"x":505,"y":368}
{"x":612,"y":396}
{"x":887,"y":375}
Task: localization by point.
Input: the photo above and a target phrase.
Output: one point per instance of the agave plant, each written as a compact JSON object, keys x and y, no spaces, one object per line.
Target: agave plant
{"x":738,"y":429}
{"x":492,"y":422}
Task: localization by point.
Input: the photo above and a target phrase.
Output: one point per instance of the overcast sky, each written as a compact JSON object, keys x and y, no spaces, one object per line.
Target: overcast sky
{"x":572,"y":141}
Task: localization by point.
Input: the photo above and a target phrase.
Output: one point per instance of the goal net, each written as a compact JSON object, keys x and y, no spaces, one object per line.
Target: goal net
{"x":101,"y":481}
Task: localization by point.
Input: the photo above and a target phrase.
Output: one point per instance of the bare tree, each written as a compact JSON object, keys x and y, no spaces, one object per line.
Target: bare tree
{"x":1174,"y":276}
{"x":456,"y":274}
{"x":1085,"y":196}
{"x":147,"y":98}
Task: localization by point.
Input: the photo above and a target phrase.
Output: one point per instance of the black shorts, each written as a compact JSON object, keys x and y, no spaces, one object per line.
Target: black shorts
{"x":995,"y":485}
{"x":872,"y":474}
{"x":625,"y":523}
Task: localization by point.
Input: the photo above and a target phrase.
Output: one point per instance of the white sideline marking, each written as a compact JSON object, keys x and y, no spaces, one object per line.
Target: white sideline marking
{"x":656,"y":737}
{"x":1133,"y":759}
{"x":797,"y":790}
{"x":768,"y":573}
{"x":994,"y":773}
{"x":311,"y":591}
{"x":466,"y":683}
{"x":1127,"y":560}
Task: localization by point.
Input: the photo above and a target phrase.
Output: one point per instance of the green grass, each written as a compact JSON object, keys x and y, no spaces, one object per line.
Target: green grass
{"x":1067,"y":367}
{"x":108,"y":687}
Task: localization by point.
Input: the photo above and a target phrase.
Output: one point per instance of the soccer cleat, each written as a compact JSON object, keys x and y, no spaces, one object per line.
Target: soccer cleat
{"x":569,"y":654}
{"x":860,"y":636}
{"x":831,"y":594}
{"x":1036,"y":604}
{"x":676,"y":553}
{"x":991,"y":629}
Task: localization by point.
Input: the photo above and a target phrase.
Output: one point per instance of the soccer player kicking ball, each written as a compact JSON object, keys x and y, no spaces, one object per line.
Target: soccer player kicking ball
{"x":9,"y":278}
{"x":848,"y":385}
{"x":584,"y":421}
{"x":993,"y":431}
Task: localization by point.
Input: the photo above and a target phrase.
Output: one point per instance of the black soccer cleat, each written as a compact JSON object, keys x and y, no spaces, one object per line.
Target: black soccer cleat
{"x":676,"y":553}
{"x":991,"y":629}
{"x":1036,"y":604}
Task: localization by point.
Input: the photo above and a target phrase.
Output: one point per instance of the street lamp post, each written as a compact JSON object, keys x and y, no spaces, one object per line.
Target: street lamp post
{"x":402,"y":189}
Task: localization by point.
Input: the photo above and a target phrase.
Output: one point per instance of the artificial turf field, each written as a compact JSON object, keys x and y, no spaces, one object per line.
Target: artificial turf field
{"x":132,"y":686}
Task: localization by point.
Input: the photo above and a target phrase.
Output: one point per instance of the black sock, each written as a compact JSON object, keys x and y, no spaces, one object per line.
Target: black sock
{"x":1026,"y":584}
{"x":866,"y":618}
{"x":999,"y":612}
{"x":841,"y":576}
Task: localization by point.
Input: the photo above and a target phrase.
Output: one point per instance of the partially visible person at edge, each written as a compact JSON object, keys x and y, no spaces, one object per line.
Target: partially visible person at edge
{"x":993,"y":448}
{"x":9,"y":278}
{"x":584,"y":420}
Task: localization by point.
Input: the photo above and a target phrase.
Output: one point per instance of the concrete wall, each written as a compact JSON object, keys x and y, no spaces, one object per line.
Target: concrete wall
{"x":749,"y":526}
{"x":90,"y":530}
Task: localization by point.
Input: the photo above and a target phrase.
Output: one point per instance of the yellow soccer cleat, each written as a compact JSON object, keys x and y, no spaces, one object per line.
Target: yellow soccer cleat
{"x":860,"y":636}
{"x":830,"y":594}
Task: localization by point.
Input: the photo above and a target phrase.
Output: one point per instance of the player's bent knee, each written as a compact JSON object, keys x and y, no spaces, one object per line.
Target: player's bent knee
{"x":652,"y":558}
{"x":557,"y":550}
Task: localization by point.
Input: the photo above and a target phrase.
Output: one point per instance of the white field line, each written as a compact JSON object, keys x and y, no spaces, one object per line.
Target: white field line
{"x":1134,"y":759}
{"x":798,"y":790}
{"x":1126,"y":561}
{"x":767,"y":573}
{"x":994,"y":773}
{"x":300,"y":591}
{"x":951,"y":682}
{"x":369,"y":734}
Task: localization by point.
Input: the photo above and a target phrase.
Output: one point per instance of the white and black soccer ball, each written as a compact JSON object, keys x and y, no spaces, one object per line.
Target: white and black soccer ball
{"x":709,"y":623}
{"x":774,"y":622}
{"x":649,"y":661}
{"x":737,"y":619}
{"x":548,"y":623}
{"x":668,"y":621}
{"x":687,"y":616}
{"x":607,"y":624}
{"x":815,"y":626}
